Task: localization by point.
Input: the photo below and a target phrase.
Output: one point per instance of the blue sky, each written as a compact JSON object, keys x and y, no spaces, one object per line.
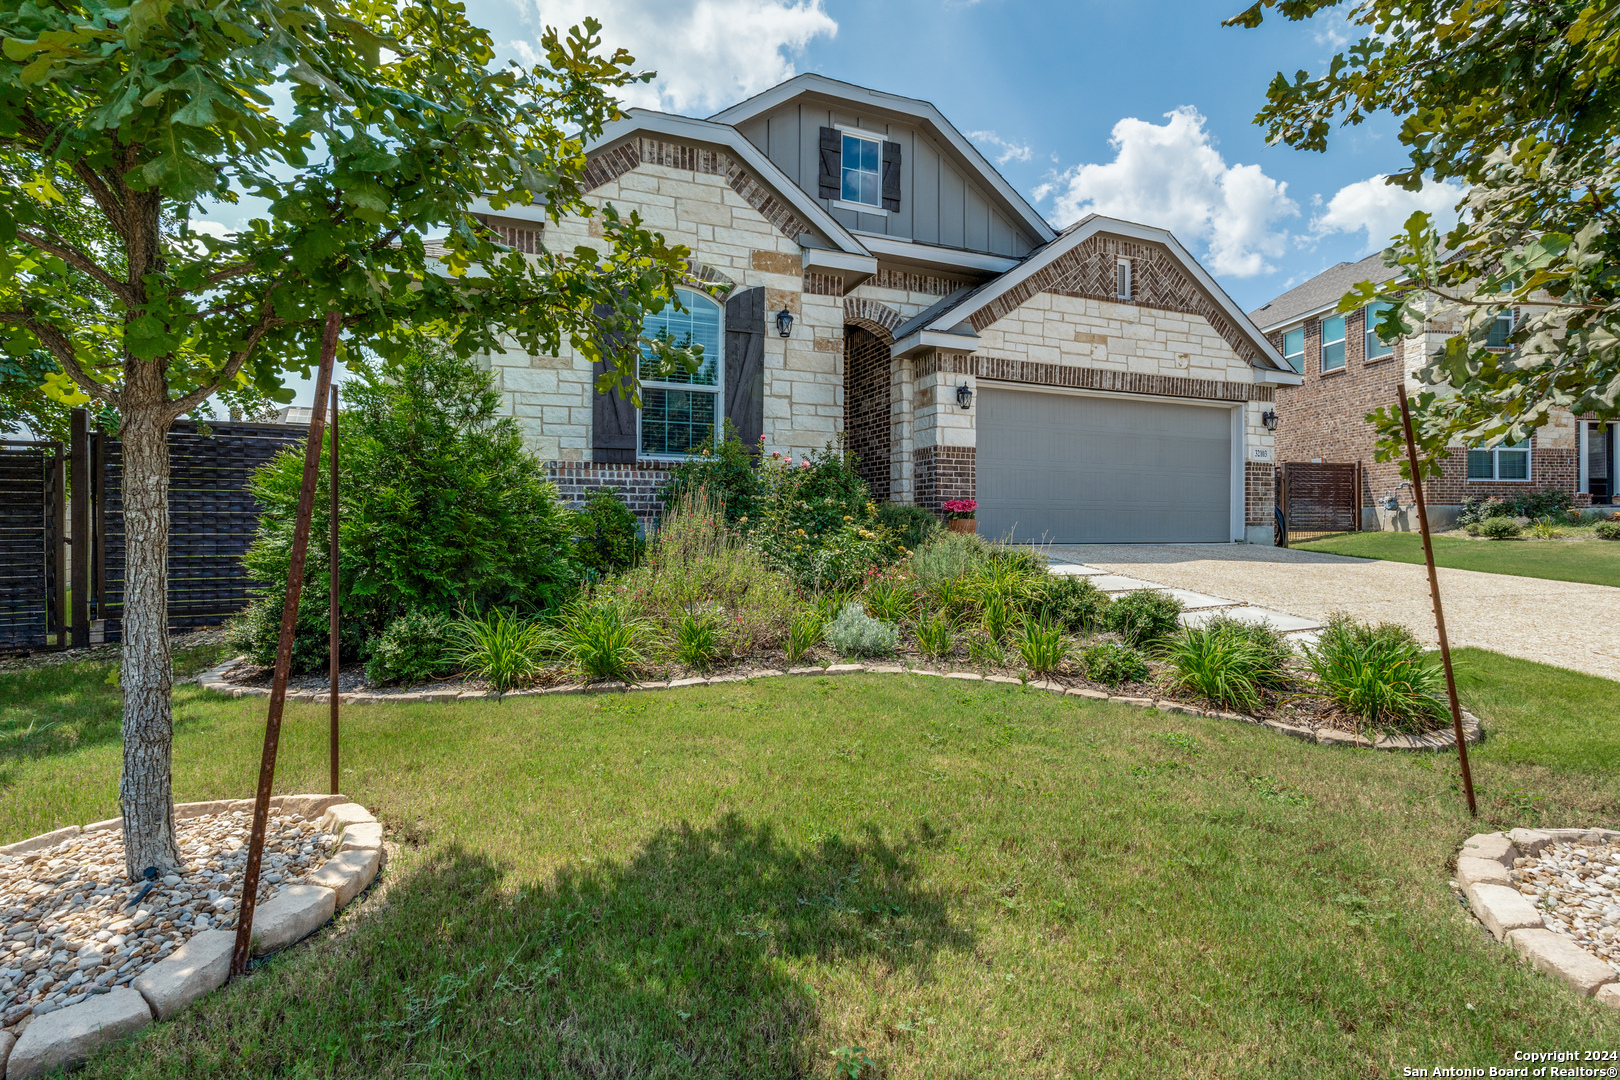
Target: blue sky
{"x":1138,"y":108}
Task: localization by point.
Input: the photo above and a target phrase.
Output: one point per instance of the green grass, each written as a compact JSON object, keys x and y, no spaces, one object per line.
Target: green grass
{"x":1596,"y":562}
{"x":963,"y":880}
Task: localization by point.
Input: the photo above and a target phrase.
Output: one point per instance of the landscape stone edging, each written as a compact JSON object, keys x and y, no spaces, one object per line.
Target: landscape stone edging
{"x":64,"y":1038}
{"x":1510,"y":917}
{"x":1473,"y":730}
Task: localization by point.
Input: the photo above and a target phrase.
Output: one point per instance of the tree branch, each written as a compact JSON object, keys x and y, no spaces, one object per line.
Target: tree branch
{"x":55,"y":245}
{"x":60,"y":346}
{"x":187,"y":402}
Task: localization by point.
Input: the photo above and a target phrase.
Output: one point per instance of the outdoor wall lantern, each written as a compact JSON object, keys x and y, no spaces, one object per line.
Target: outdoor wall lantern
{"x":784,"y":322}
{"x":1270,"y":420}
{"x":964,"y":396}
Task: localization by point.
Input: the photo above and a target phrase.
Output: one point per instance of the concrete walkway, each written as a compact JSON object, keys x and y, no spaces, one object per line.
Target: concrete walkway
{"x":1564,"y":623}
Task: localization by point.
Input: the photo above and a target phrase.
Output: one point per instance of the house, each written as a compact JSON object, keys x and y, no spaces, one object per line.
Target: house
{"x":860,"y":272}
{"x":1348,"y":372}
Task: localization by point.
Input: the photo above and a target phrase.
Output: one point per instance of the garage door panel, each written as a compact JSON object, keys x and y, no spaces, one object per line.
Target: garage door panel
{"x":1072,"y":469}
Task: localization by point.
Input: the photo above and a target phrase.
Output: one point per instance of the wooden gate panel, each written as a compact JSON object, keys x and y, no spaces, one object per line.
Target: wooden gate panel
{"x":1320,"y":497}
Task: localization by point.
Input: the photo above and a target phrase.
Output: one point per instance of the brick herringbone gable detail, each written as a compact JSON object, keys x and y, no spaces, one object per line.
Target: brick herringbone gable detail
{"x":905,"y":281}
{"x":611,"y":164}
{"x":1123,"y":382}
{"x":880,"y":318}
{"x":1157,"y":281}
{"x":819,"y":284}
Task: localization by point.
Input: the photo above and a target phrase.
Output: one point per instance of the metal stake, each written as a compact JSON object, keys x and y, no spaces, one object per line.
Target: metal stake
{"x":333,"y":614}
{"x":1439,"y":614}
{"x":289,"y":621}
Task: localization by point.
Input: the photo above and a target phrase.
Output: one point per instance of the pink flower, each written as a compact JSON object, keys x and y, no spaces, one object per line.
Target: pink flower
{"x":762,"y":438}
{"x":805,"y":463}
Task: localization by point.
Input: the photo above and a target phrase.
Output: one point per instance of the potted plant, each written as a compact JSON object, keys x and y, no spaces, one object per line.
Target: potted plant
{"x":959,"y":514}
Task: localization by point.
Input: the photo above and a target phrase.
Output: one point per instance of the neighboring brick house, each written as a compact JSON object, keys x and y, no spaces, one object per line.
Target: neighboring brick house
{"x":1090,"y":385}
{"x":1348,"y":373}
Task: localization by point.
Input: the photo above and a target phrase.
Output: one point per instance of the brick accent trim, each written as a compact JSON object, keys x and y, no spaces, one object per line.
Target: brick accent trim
{"x":611,"y":164}
{"x":949,"y":363}
{"x":940,"y":473}
{"x":1259,"y":492}
{"x":881,"y":319}
{"x":638,"y":485}
{"x":866,"y":407}
{"x":819,"y":284}
{"x":908,"y":281}
{"x":704,"y":274}
{"x":1035,"y":373}
{"x":1157,"y":281}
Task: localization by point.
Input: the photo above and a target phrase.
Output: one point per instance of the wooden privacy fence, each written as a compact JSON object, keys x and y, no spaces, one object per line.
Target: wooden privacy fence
{"x":1316,"y":498}
{"x":33,"y":578}
{"x":212,"y":520}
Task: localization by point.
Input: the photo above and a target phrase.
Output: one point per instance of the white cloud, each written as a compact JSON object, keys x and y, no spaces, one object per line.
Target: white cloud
{"x":1381,"y":209}
{"x":1004,"y":150}
{"x":708,"y":53}
{"x":1170,"y":176}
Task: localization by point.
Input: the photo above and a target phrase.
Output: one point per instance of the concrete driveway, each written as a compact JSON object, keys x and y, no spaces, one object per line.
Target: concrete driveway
{"x":1564,"y":623}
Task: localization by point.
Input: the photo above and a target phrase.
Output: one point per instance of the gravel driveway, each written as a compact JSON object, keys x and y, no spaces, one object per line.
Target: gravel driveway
{"x":1565,"y":623}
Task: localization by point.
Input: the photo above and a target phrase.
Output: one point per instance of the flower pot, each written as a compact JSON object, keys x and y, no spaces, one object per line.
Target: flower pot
{"x":964,"y":525}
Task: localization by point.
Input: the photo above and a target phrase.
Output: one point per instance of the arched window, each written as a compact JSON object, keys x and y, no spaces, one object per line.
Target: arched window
{"x":681,"y":411}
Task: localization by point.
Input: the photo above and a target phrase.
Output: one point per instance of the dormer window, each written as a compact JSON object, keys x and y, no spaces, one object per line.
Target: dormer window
{"x":862,"y":170}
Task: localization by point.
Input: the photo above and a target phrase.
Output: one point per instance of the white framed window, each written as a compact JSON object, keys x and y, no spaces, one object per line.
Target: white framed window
{"x":1122,"y":279}
{"x":1294,"y":349}
{"x":1333,"y":343}
{"x":862,"y":170}
{"x":680,"y":410}
{"x":1510,"y":461}
{"x":1375,"y":347}
{"x":1501,"y":331}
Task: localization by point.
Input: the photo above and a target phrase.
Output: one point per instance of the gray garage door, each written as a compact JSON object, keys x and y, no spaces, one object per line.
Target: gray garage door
{"x":1075,"y":470}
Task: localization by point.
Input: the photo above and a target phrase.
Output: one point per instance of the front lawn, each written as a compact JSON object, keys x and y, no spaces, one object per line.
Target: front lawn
{"x":963,"y":880}
{"x":1596,"y":562}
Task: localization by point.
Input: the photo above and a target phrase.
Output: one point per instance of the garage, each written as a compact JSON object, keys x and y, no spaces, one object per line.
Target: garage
{"x":1075,"y":469}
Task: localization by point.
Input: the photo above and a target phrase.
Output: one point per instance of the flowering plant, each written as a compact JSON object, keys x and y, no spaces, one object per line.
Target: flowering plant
{"x":960,"y":508}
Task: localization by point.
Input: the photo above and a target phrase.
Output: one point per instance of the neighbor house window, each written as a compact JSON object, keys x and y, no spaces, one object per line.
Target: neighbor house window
{"x":1122,"y":279}
{"x":1510,"y":461}
{"x":863,"y":170}
{"x":1501,"y":330}
{"x":1333,"y":343}
{"x":680,"y":410}
{"x":1375,"y":345}
{"x":1294,"y":348}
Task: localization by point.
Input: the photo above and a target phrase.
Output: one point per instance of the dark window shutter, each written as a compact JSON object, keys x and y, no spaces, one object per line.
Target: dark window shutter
{"x":745,"y":364}
{"x":830,"y":179}
{"x":891,"y":176}
{"x":613,"y":418}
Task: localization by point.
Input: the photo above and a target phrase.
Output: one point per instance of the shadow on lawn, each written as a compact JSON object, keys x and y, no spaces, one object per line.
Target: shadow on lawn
{"x":690,"y":959}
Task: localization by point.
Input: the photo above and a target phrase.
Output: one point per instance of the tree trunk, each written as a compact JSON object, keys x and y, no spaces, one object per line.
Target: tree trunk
{"x":148,"y":674}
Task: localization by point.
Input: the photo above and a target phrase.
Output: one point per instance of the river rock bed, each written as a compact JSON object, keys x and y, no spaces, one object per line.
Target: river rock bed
{"x":1576,"y":887}
{"x":67,"y":927}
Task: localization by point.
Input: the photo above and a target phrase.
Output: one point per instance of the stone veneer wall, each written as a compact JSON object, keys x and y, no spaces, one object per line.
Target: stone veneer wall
{"x":866,"y":407}
{"x":940,"y":473}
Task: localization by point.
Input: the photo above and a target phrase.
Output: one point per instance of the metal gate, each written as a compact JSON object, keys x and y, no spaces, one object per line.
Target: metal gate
{"x":1317,"y":498}
{"x":33,"y":578}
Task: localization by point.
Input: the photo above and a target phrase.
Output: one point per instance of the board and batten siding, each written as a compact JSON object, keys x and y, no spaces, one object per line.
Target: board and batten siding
{"x":939,"y":203}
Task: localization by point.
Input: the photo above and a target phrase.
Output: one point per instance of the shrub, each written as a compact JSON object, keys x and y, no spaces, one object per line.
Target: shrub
{"x":1545,"y":529}
{"x":698,"y":560}
{"x":1549,"y":502}
{"x":727,"y":474}
{"x":816,"y":522}
{"x":501,"y":648}
{"x":855,"y":633}
{"x":256,"y":632}
{"x":413,"y":648}
{"x":1499,"y":528}
{"x":890,"y":601}
{"x":1223,"y":664}
{"x":699,"y":639}
{"x":1113,"y":665}
{"x":603,"y":641}
{"x":1042,"y":645}
{"x":804,"y":633}
{"x":846,"y":559}
{"x":1071,"y":601}
{"x":936,"y":635}
{"x":946,"y":557}
{"x":1378,"y":674}
{"x":609,"y":535}
{"x":1144,"y":617}
{"x":1276,"y":649}
{"x":911,"y":526}
{"x":442,"y":509}
{"x":1607,"y":530}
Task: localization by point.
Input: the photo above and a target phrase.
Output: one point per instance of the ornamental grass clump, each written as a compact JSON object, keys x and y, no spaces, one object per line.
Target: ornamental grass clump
{"x":1145,"y":617}
{"x":1379,"y":675}
{"x":890,"y":601}
{"x":855,"y":633}
{"x":936,"y":635}
{"x":1607,"y":530}
{"x":502,"y":648}
{"x":1042,"y":646}
{"x":699,"y":639}
{"x":602,"y":640}
{"x":1220,"y":661}
{"x":804,"y":633}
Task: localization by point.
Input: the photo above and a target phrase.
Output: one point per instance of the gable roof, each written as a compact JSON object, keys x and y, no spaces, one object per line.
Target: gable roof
{"x":1322,"y":292}
{"x":671,"y":126}
{"x":916,"y":111}
{"x":950,"y":317}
